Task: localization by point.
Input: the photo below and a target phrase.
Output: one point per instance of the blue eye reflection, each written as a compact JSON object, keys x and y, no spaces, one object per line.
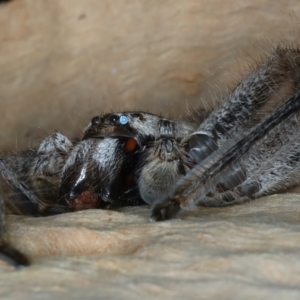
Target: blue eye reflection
{"x":123,"y":120}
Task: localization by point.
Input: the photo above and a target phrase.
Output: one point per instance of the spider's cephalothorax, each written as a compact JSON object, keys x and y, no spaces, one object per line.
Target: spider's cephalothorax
{"x":102,"y":170}
{"x":247,"y":147}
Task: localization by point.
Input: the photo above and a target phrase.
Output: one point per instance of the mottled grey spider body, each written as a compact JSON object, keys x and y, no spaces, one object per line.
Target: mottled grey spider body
{"x":246,"y":148}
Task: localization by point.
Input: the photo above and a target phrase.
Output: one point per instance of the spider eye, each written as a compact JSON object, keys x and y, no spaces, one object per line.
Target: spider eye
{"x":118,"y":120}
{"x":123,"y":120}
{"x":113,"y":118}
{"x":96,"y":121}
{"x":131,"y":145}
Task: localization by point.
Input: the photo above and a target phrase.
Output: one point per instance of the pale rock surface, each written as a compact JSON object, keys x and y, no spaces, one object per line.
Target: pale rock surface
{"x":61,"y":61}
{"x":248,"y":251}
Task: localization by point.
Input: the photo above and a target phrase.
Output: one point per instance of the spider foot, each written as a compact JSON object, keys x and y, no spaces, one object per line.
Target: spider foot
{"x":13,"y":256}
{"x":164,"y":210}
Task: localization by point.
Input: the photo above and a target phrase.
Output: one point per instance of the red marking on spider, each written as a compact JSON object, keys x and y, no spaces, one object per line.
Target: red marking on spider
{"x":131,"y":145}
{"x":86,"y":200}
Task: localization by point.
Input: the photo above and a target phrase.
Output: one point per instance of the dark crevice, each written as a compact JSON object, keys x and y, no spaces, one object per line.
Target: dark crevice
{"x":4,"y":1}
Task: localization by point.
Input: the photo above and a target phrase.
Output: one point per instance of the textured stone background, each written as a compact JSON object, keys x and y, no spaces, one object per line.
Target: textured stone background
{"x":62,"y":61}
{"x":248,"y":251}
